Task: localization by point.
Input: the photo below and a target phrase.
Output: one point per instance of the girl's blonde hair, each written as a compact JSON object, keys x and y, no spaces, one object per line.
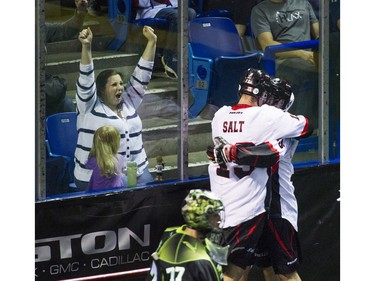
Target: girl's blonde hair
{"x":105,"y":146}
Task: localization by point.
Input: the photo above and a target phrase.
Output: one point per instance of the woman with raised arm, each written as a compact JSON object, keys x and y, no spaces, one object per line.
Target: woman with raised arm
{"x":107,"y":101}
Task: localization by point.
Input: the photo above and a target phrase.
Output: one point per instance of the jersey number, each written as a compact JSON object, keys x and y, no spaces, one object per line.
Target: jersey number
{"x":239,"y":172}
{"x":175,"y":273}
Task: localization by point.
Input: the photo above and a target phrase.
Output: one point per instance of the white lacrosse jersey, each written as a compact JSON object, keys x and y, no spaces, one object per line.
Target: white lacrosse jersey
{"x":242,"y":188}
{"x":284,"y":202}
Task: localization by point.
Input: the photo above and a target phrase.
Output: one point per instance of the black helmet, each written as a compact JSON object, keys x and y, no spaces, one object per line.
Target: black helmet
{"x":255,"y":83}
{"x":281,"y":95}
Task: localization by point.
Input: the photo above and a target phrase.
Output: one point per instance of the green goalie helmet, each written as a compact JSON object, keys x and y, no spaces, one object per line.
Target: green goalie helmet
{"x":202,"y":210}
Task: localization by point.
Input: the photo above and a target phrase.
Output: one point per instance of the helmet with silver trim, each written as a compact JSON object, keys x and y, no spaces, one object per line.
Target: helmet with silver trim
{"x":281,"y":95}
{"x":255,"y":82}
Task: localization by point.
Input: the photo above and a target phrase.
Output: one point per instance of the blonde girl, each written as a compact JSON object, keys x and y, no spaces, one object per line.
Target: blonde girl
{"x":105,"y":163}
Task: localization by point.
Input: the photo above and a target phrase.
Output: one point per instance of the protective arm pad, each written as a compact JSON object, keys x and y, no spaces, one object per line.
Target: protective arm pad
{"x":263,"y":155}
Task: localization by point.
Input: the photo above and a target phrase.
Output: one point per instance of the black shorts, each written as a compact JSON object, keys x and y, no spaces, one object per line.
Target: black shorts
{"x":243,"y":239}
{"x":279,"y":247}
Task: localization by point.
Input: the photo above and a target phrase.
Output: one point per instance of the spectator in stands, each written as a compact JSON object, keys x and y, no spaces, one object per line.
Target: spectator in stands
{"x":240,"y":11}
{"x":165,"y":9}
{"x":56,"y":99}
{"x":276,"y":22}
{"x":56,"y":31}
{"x":185,"y":252}
{"x":108,"y":102}
{"x":104,"y":161}
{"x":55,"y":87}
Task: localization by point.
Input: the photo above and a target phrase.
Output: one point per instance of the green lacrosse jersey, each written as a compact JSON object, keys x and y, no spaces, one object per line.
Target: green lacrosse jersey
{"x":181,"y":257}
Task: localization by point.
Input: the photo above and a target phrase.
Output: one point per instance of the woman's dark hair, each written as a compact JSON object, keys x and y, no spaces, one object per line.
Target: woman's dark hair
{"x":102,"y":79}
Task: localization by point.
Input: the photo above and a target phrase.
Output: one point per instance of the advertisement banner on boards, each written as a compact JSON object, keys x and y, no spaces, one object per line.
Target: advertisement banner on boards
{"x":104,"y":233}
{"x":116,"y":232}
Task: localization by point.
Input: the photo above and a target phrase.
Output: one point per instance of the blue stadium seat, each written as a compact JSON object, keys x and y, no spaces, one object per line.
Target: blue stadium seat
{"x":61,"y":137}
{"x":217,"y":61}
{"x":121,"y":15}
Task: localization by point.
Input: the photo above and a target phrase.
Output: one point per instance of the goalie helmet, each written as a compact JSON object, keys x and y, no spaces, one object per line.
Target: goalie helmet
{"x":281,"y":95}
{"x":255,"y":83}
{"x":202,"y":210}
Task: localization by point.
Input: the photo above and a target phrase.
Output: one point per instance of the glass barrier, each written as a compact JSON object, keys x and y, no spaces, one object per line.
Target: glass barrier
{"x":118,"y":43}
